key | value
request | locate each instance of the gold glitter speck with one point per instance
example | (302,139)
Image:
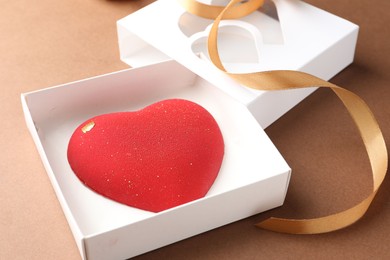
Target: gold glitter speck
(88,127)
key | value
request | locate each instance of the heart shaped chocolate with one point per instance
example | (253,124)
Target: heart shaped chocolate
(162,156)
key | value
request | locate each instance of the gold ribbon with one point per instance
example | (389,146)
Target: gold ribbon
(284,80)
(212,11)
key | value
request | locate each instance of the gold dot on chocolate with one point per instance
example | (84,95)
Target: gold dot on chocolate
(88,127)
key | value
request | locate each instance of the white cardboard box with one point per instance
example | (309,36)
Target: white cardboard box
(253,178)
(300,37)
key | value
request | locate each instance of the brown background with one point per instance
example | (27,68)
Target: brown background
(44,43)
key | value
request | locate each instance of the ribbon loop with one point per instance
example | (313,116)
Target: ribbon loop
(284,80)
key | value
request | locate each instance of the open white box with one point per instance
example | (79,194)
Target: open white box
(302,38)
(254,177)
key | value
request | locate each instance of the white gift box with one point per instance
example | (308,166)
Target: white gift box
(285,35)
(299,37)
(253,178)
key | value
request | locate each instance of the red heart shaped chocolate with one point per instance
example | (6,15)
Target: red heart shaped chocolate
(164,155)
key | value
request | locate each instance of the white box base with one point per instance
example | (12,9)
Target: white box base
(254,177)
(305,38)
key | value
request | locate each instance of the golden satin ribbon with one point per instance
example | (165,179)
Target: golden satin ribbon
(283,80)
